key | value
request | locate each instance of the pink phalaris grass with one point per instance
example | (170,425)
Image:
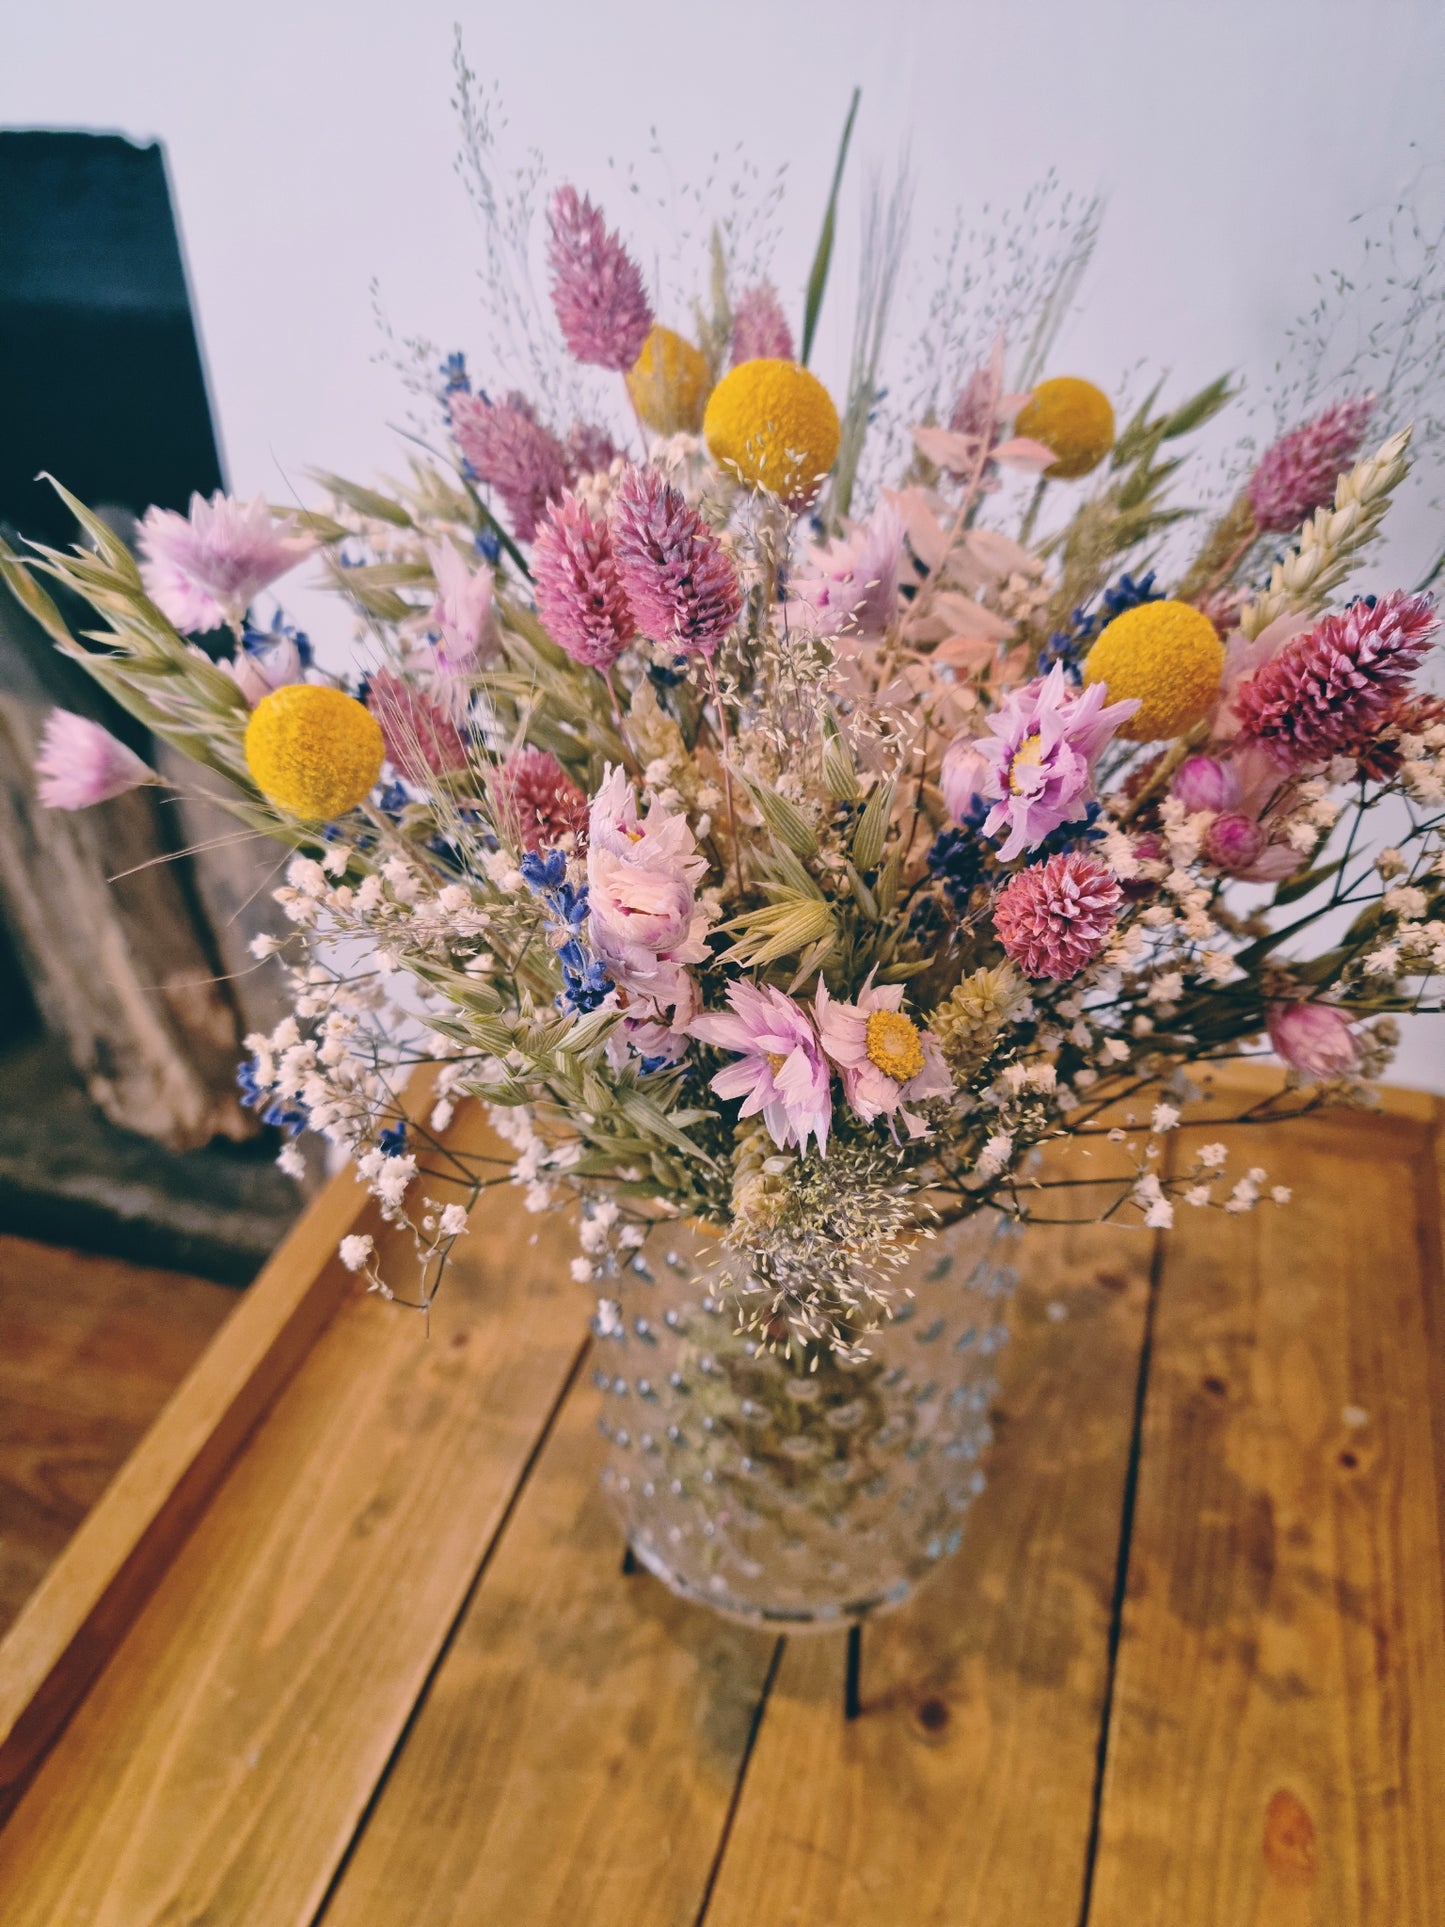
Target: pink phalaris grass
(81,763)
(536,798)
(1055,918)
(578,586)
(597,292)
(205,569)
(1298,474)
(683,589)
(1337,683)
(590,449)
(421,740)
(760,328)
(1314,1038)
(511,451)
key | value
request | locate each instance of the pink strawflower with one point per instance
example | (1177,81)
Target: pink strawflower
(642,879)
(1314,1038)
(760,328)
(597,289)
(81,763)
(850,587)
(206,568)
(682,588)
(590,449)
(961,778)
(578,587)
(1206,783)
(1236,842)
(1298,474)
(538,801)
(1330,689)
(464,613)
(782,1072)
(1055,918)
(511,451)
(1040,752)
(421,740)
(887,1062)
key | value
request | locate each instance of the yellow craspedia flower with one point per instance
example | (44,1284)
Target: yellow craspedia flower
(313,750)
(774,426)
(1073,418)
(1169,656)
(669,383)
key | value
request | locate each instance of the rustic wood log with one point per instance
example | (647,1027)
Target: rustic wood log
(123,971)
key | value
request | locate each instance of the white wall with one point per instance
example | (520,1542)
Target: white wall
(311,150)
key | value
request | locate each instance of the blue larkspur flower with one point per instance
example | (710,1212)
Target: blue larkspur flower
(1069,646)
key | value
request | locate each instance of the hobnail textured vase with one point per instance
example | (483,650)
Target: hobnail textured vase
(795,1497)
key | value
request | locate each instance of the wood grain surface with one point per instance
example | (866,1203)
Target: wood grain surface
(90,1350)
(1188,1668)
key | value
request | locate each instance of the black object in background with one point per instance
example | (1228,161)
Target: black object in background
(101,380)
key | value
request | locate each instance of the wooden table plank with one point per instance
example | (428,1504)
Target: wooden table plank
(576,1755)
(219,1766)
(1275,1753)
(963,1792)
(90,1350)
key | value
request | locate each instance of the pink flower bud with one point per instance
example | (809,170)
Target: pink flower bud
(1205,783)
(1234,841)
(961,779)
(1314,1038)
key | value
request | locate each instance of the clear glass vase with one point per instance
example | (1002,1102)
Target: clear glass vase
(801,1498)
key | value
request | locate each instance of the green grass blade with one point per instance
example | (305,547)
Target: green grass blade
(822,260)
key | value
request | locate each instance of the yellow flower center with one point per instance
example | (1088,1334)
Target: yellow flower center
(1073,418)
(1029,752)
(773,426)
(893,1045)
(1168,654)
(313,750)
(776,1061)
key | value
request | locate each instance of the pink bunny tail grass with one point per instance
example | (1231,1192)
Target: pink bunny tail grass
(578,586)
(682,588)
(597,292)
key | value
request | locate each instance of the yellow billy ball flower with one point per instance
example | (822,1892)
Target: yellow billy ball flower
(313,750)
(1169,656)
(773,425)
(1073,418)
(669,383)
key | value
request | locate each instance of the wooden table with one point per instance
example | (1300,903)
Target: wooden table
(348,1639)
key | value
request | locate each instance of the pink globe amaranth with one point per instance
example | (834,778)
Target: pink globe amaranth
(1314,1038)
(961,779)
(1055,918)
(1234,841)
(1206,783)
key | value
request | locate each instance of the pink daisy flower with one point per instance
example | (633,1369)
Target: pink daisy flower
(464,612)
(887,1062)
(1055,918)
(1040,754)
(781,1072)
(597,292)
(206,568)
(578,586)
(81,763)
(682,588)
(850,587)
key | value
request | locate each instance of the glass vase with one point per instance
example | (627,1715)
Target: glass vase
(801,1497)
